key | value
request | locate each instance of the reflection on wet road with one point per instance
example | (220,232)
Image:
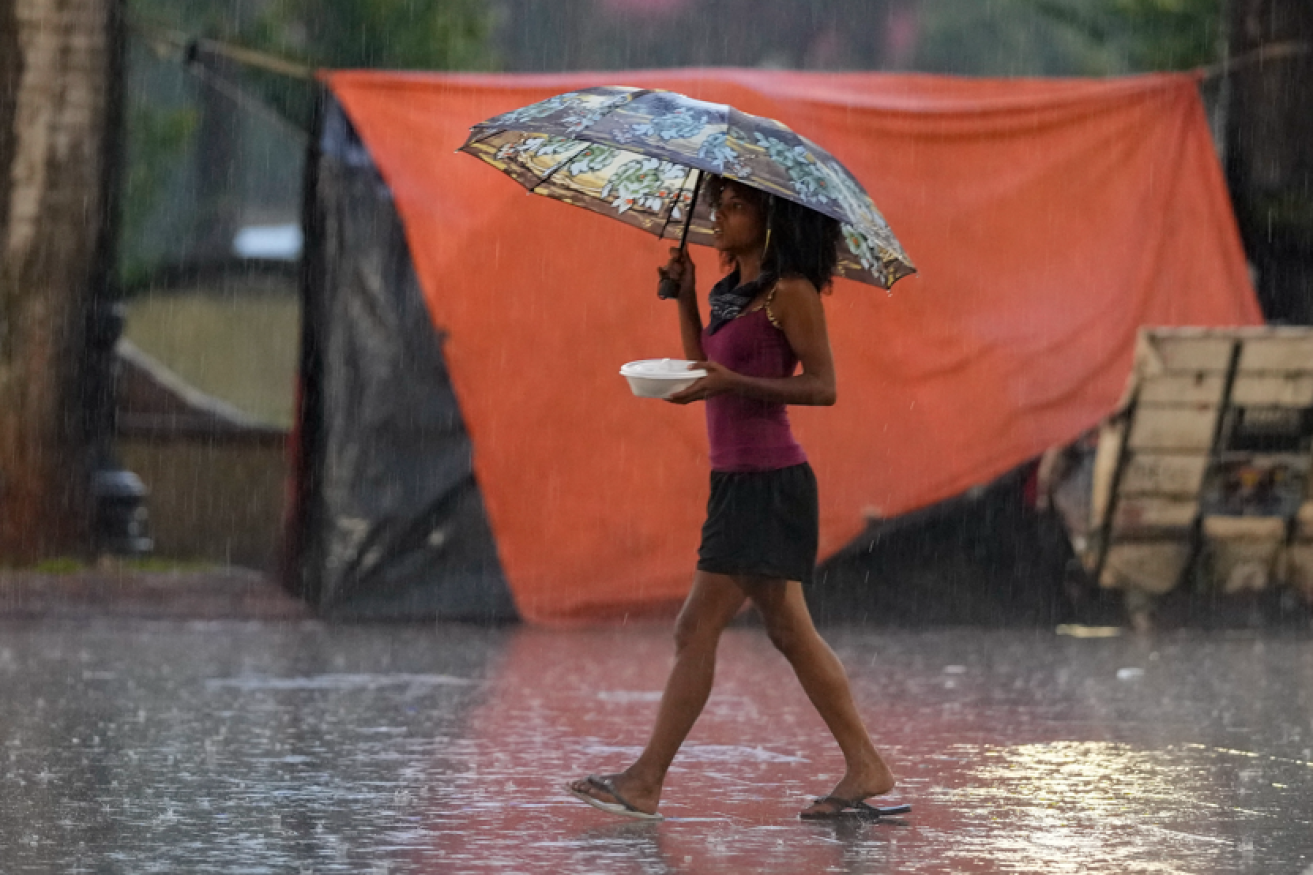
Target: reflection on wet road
(290,748)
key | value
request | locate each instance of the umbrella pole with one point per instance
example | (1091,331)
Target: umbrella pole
(668,287)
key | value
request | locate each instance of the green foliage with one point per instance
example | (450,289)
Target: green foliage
(1150,34)
(375,34)
(448,35)
(60,565)
(213,19)
(165,105)
(156,136)
(393,34)
(1004,38)
(1067,37)
(451,35)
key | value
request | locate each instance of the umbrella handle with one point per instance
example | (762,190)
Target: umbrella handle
(668,288)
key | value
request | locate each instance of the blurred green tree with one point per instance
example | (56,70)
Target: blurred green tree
(451,35)
(1067,37)
(392,34)
(1146,34)
(201,123)
(1005,38)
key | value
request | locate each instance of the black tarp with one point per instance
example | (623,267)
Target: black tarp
(387,521)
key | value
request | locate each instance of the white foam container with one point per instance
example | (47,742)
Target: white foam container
(660,378)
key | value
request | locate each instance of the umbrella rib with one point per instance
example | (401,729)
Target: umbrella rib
(688,221)
(528,185)
(488,134)
(583,144)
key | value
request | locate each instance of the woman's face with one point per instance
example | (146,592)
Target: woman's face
(738,223)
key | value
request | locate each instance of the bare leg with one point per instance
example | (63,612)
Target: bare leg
(789,624)
(714,601)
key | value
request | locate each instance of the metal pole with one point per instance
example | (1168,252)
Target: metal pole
(668,287)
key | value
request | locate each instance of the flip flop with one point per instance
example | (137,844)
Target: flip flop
(852,809)
(620,807)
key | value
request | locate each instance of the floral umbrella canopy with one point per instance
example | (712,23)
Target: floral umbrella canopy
(638,155)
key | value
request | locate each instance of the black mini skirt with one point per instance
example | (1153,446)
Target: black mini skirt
(762,523)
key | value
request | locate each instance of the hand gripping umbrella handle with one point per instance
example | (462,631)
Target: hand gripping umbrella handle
(669,288)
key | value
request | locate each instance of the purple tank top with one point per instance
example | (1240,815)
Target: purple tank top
(746,434)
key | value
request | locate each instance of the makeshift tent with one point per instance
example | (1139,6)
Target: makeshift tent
(467,444)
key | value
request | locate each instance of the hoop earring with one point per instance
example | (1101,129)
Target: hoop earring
(766,248)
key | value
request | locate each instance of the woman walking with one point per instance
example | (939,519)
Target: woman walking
(760,538)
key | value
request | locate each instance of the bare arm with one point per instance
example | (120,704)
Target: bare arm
(680,268)
(690,328)
(797,308)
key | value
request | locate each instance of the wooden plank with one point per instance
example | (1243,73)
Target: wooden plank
(1105,468)
(1299,569)
(1148,473)
(1244,564)
(1186,353)
(1304,522)
(1273,390)
(1278,353)
(1173,428)
(1245,528)
(1152,567)
(1137,514)
(1201,387)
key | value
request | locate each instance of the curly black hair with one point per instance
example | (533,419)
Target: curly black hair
(800,243)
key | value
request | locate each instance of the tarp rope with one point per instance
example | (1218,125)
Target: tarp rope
(1274,52)
(191,46)
(187,50)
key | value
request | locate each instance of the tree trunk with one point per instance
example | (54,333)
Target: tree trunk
(1270,148)
(57,70)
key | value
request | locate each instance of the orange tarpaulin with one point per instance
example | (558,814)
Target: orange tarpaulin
(1049,220)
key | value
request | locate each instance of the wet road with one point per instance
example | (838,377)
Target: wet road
(142,747)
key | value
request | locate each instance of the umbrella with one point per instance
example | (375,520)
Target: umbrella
(639,155)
